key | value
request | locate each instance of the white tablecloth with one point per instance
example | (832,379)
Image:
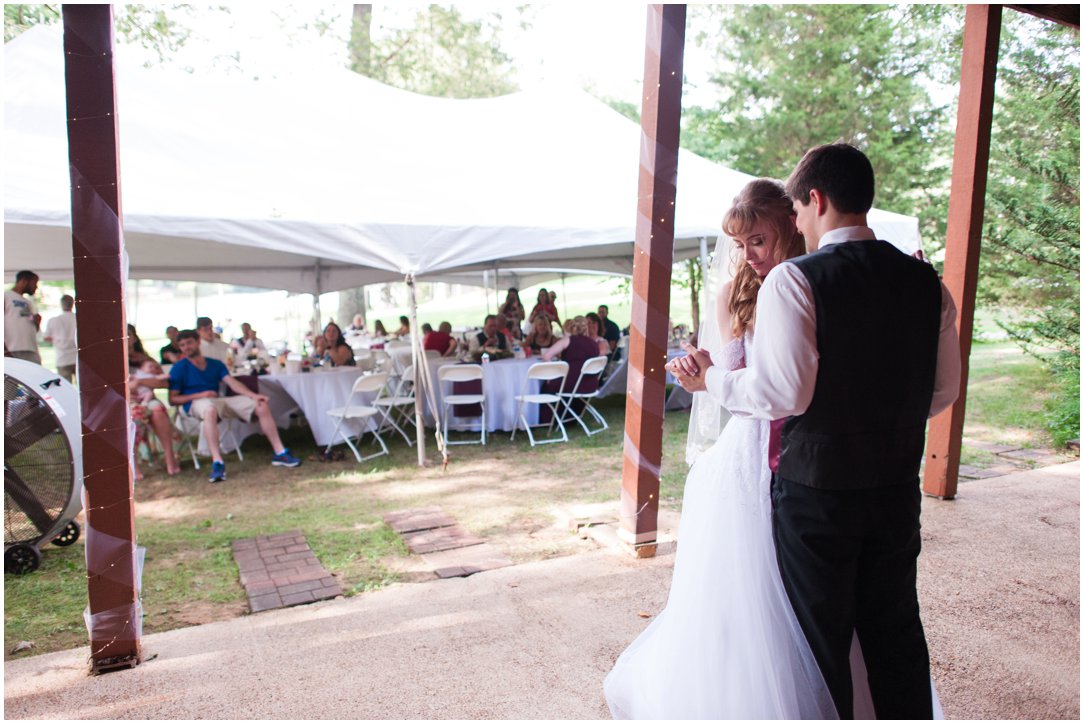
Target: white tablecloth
(502,381)
(315,393)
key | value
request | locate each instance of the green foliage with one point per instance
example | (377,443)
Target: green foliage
(155,27)
(794,76)
(1031,254)
(441,53)
(18,18)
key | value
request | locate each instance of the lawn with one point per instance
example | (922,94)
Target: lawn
(514,496)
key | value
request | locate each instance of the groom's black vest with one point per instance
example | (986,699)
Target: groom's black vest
(878,319)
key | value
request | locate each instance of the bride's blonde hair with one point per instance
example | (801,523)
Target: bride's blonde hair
(761,199)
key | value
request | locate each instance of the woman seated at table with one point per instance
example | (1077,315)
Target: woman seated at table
(378,329)
(441,340)
(541,335)
(575,348)
(594,329)
(149,410)
(404,327)
(338,351)
(544,306)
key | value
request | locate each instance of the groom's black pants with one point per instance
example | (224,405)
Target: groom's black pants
(848,559)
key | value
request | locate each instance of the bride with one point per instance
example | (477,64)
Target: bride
(727,645)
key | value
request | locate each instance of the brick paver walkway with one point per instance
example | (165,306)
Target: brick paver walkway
(1011,459)
(281,570)
(447,548)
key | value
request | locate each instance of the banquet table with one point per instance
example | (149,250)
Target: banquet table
(314,393)
(502,381)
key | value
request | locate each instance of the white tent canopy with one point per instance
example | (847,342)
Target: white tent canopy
(322,183)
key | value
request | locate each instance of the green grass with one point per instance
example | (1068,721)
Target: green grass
(1007,394)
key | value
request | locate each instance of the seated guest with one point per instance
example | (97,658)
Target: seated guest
(575,348)
(239,342)
(404,327)
(594,325)
(544,306)
(251,345)
(378,329)
(541,335)
(210,345)
(357,328)
(441,341)
(319,348)
(149,409)
(506,330)
(194,383)
(512,309)
(340,353)
(427,328)
(136,355)
(171,352)
(610,330)
(490,338)
(512,330)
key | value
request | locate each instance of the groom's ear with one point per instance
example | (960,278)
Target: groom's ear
(818,201)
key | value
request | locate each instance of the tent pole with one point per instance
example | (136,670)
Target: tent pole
(564,298)
(316,316)
(419,359)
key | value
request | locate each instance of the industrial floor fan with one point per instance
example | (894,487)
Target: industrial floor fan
(43,463)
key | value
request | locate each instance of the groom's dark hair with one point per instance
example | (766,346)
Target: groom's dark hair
(840,172)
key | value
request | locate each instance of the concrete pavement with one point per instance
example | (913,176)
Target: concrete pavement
(999,582)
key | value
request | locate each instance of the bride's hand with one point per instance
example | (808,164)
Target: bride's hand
(695,360)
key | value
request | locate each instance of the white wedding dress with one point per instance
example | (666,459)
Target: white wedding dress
(728,645)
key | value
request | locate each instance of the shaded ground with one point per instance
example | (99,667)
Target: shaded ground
(999,584)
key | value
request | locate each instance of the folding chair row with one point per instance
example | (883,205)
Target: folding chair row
(562,403)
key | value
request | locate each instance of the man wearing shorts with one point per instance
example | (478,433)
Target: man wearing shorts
(194,383)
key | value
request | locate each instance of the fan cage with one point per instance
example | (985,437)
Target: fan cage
(38,462)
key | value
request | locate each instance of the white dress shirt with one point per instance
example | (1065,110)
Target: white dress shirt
(783,370)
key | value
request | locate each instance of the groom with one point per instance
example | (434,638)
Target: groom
(856,344)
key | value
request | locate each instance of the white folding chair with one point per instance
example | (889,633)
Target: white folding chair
(398,406)
(190,427)
(462,373)
(363,384)
(543,372)
(591,368)
(363,358)
(381,360)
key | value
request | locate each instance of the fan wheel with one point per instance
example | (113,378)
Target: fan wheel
(21,558)
(69,535)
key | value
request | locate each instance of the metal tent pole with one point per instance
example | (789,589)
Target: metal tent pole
(418,355)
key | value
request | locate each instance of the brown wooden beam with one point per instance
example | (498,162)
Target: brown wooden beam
(1068,14)
(967,201)
(653,259)
(97,246)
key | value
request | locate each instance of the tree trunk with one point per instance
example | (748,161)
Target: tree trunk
(351,302)
(361,42)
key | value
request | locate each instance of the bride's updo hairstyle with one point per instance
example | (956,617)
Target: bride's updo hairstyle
(762,199)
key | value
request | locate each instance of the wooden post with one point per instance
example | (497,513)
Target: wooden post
(112,578)
(967,198)
(652,264)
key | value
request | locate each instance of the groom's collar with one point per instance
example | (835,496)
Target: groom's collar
(846,233)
